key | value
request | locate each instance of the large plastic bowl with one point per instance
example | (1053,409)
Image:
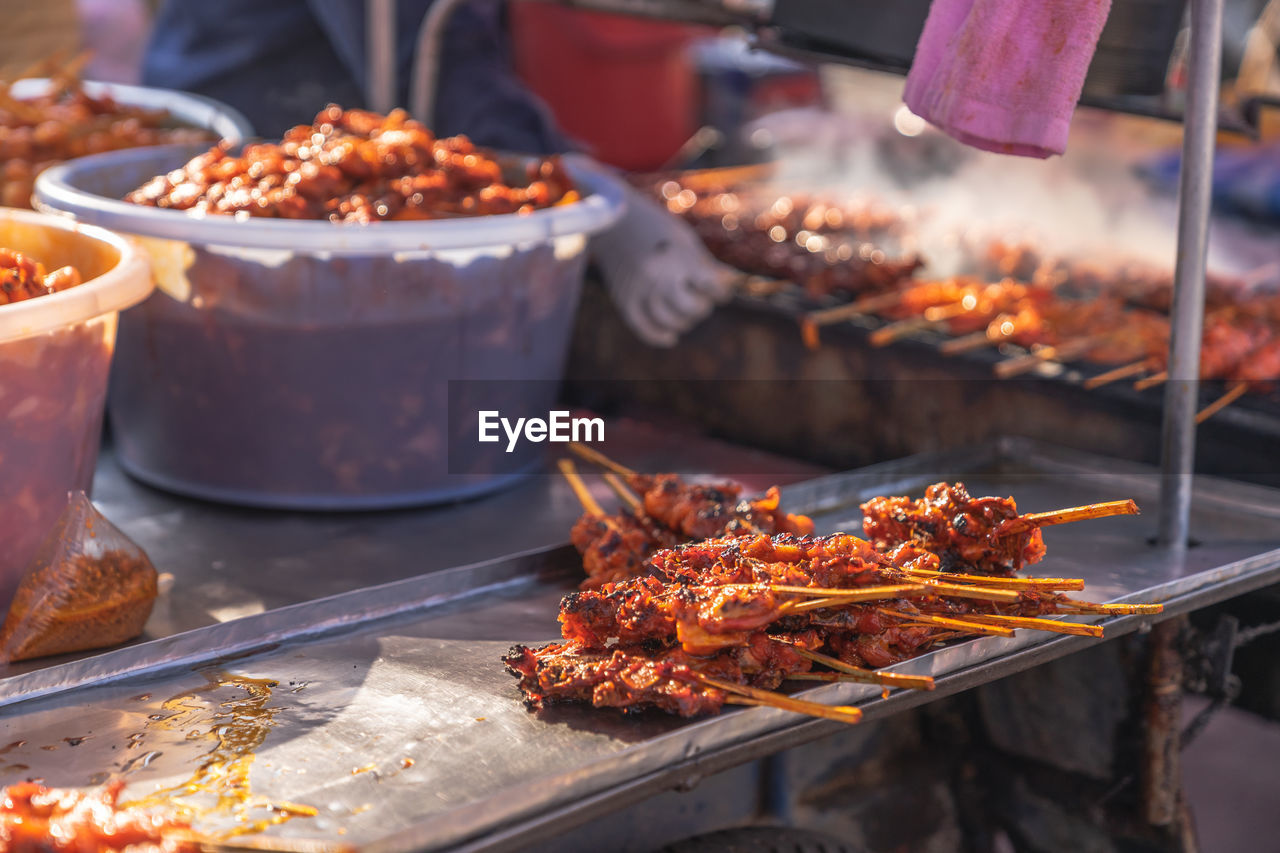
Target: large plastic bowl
(54,356)
(184,107)
(307,364)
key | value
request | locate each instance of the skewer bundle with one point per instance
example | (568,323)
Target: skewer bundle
(66,123)
(1241,343)
(1109,313)
(730,619)
(823,245)
(666,512)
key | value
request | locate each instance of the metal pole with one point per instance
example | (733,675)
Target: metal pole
(380,54)
(1199,131)
(426,63)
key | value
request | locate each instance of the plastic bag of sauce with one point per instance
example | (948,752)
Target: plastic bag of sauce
(89,587)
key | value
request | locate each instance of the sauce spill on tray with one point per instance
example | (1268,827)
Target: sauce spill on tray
(234,727)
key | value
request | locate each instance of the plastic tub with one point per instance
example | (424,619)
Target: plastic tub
(191,111)
(54,355)
(625,86)
(307,365)
(184,107)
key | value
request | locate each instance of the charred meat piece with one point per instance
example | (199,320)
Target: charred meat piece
(965,532)
(36,819)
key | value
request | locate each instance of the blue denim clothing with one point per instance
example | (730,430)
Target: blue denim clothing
(280,61)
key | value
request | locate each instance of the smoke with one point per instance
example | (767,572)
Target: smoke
(1089,204)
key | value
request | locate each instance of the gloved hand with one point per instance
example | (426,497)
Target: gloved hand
(660,275)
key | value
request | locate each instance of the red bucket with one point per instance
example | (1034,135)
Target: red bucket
(625,87)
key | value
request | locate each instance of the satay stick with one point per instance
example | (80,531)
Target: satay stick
(1117,373)
(1062,352)
(1151,381)
(620,489)
(886,335)
(934,587)
(924,586)
(932,318)
(597,458)
(968,343)
(1066,516)
(809,709)
(868,676)
(1235,392)
(997,582)
(830,677)
(838,678)
(812,604)
(769,699)
(948,635)
(858,308)
(845,596)
(1035,624)
(949,622)
(589,504)
(1070,605)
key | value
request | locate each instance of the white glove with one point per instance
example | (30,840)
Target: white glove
(660,275)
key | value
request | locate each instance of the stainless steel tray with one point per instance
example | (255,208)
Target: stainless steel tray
(410,670)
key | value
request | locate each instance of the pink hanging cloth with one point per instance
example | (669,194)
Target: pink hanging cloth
(1005,75)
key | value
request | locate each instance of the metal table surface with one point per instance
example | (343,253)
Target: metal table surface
(229,562)
(391,716)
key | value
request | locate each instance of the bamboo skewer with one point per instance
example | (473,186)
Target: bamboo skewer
(907,590)
(815,320)
(597,458)
(935,317)
(767,698)
(867,593)
(1036,624)
(1118,373)
(968,343)
(809,709)
(1235,392)
(580,489)
(1011,583)
(1151,381)
(813,604)
(947,636)
(934,587)
(886,335)
(620,489)
(868,676)
(1021,364)
(1062,352)
(1070,605)
(1066,516)
(761,285)
(949,622)
(831,677)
